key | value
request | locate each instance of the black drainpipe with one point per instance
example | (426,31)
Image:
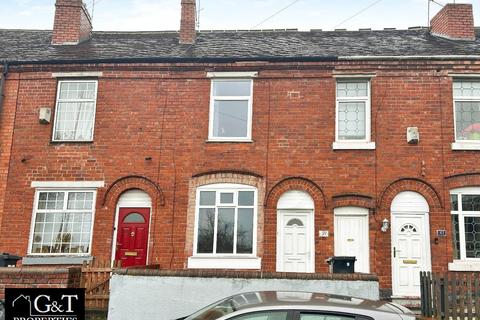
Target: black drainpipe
(2,83)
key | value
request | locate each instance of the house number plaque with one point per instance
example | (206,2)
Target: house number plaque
(323,233)
(441,233)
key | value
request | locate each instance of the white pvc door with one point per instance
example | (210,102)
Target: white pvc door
(351,236)
(294,245)
(410,253)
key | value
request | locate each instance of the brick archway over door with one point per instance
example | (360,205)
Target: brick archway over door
(123,184)
(382,245)
(103,235)
(322,221)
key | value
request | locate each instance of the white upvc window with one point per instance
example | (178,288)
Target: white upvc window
(353,119)
(466,104)
(62,222)
(75,110)
(226,221)
(465,206)
(231,109)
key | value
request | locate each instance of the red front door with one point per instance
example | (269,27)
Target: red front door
(132,236)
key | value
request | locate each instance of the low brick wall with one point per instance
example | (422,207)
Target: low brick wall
(31,277)
(162,294)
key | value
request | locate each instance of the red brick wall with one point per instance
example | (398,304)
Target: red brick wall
(38,278)
(7,118)
(72,23)
(454,21)
(163,114)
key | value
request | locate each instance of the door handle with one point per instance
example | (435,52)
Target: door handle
(394,252)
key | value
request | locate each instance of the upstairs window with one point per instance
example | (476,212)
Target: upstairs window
(75,110)
(466,100)
(353,111)
(231,110)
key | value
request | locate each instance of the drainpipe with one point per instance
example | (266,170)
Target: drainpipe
(2,83)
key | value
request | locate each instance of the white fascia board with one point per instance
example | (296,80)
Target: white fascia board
(441,57)
(67,184)
(76,74)
(252,74)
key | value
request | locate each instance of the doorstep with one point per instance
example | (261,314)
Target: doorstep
(412,303)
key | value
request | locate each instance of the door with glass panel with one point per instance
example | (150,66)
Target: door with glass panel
(295,242)
(132,236)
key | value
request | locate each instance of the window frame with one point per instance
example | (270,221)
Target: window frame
(225,187)
(213,98)
(463,99)
(58,100)
(365,144)
(366,99)
(35,209)
(461,220)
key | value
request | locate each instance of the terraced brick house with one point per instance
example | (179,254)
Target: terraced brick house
(243,150)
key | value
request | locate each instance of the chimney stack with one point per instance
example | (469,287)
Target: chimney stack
(73,23)
(455,22)
(188,31)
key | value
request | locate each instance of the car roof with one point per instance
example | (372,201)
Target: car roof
(312,300)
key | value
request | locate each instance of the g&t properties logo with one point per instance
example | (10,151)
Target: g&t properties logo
(44,304)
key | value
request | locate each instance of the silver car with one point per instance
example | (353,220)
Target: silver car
(280,305)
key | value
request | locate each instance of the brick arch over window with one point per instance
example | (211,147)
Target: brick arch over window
(123,184)
(410,184)
(295,183)
(353,200)
(226,176)
(470,179)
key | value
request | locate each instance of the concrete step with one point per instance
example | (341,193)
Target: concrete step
(412,303)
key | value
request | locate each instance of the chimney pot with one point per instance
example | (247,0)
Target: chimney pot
(73,23)
(188,21)
(454,21)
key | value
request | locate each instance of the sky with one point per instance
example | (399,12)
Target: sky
(154,15)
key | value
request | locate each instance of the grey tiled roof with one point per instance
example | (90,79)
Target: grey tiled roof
(32,45)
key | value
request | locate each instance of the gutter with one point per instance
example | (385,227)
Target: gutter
(179,60)
(435,57)
(329,58)
(2,83)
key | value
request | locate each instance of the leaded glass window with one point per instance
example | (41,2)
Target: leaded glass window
(466,95)
(63,222)
(225,220)
(466,223)
(353,110)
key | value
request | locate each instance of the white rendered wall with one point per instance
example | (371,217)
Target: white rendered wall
(159,297)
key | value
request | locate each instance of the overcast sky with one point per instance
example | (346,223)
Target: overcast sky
(234,14)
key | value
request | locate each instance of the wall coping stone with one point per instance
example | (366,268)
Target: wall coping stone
(246,274)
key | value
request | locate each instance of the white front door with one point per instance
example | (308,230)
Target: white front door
(351,236)
(295,242)
(410,252)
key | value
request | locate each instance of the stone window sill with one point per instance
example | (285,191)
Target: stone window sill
(55,260)
(353,146)
(464,265)
(252,263)
(465,146)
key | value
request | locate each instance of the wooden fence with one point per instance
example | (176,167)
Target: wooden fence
(96,279)
(450,295)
